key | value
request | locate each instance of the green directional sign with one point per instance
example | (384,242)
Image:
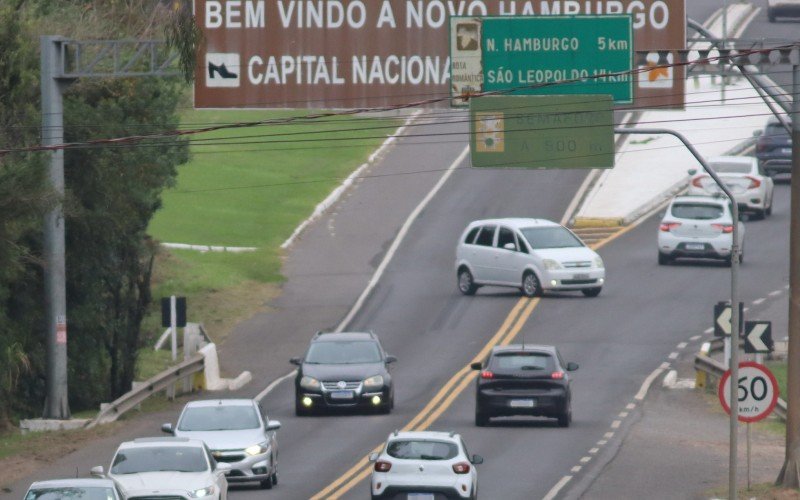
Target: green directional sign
(560,131)
(544,55)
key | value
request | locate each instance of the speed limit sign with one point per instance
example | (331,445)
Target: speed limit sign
(757,391)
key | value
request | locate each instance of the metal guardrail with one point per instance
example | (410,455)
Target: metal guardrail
(157,383)
(711,367)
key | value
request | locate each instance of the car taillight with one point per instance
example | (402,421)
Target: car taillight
(557,375)
(487,374)
(669,226)
(725,228)
(698,181)
(382,466)
(461,468)
(754,183)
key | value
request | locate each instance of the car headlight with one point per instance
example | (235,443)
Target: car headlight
(375,382)
(551,264)
(309,383)
(598,262)
(203,492)
(257,449)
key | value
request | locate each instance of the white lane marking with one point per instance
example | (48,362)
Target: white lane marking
(555,489)
(673,355)
(608,435)
(585,460)
(683,345)
(696,337)
(630,406)
(615,424)
(759,301)
(664,365)
(708,330)
(261,395)
(623,414)
(576,469)
(774,293)
(399,239)
(646,384)
(602,442)
(594,450)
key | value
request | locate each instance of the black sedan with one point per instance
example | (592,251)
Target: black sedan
(774,149)
(344,371)
(524,380)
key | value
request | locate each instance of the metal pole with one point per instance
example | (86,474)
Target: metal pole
(735,319)
(173,325)
(56,404)
(791,467)
(748,456)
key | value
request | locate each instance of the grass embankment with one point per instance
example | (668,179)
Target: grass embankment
(248,187)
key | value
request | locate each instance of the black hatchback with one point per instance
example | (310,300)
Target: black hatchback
(345,371)
(524,380)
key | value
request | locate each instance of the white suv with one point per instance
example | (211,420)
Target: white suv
(424,465)
(533,255)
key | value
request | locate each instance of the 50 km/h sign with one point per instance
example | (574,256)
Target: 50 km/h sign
(537,55)
(757,391)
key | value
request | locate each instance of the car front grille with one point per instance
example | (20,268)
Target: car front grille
(158,497)
(229,458)
(578,282)
(349,385)
(577,264)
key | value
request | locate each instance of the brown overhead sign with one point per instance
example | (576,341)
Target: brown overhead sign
(355,53)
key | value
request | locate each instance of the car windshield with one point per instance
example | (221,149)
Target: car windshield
(343,352)
(219,418)
(72,492)
(522,361)
(698,211)
(550,237)
(413,449)
(159,458)
(731,168)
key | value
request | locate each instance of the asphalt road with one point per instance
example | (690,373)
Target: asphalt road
(618,338)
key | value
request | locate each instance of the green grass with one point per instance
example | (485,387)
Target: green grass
(778,368)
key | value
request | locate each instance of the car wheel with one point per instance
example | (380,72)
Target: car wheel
(565,418)
(592,292)
(481,419)
(530,285)
(266,484)
(274,477)
(664,260)
(466,283)
(768,210)
(386,409)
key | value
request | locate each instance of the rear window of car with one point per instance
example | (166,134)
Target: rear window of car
(522,361)
(219,418)
(731,168)
(775,129)
(71,492)
(417,449)
(697,211)
(550,237)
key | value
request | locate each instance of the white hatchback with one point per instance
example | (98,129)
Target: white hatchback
(424,465)
(752,190)
(533,255)
(697,227)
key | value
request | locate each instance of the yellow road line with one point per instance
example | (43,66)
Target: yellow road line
(463,377)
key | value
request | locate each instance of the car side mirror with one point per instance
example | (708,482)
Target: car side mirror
(476,366)
(296,361)
(510,246)
(692,171)
(373,456)
(476,460)
(97,471)
(223,467)
(391,359)
(273,425)
(571,367)
(167,429)
(757,133)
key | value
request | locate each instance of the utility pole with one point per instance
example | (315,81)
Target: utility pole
(789,476)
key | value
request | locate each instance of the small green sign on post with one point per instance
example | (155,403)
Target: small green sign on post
(559,131)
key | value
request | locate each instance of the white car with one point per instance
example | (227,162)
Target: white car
(168,467)
(424,465)
(534,255)
(752,190)
(776,8)
(236,432)
(697,227)
(78,489)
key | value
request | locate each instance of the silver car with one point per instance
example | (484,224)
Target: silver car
(78,488)
(237,433)
(167,468)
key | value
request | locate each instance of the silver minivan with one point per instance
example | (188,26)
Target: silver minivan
(534,255)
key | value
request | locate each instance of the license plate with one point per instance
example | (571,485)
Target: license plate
(786,151)
(522,403)
(342,395)
(420,496)
(695,246)
(580,277)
